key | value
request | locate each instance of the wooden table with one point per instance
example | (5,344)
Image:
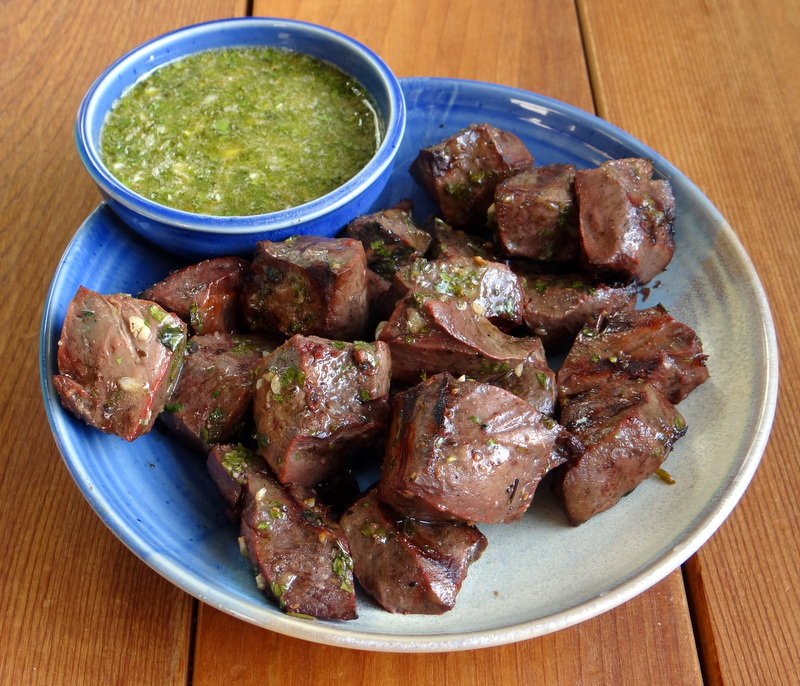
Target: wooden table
(713,86)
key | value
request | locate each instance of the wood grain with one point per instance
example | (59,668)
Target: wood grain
(714,88)
(531,45)
(643,651)
(76,606)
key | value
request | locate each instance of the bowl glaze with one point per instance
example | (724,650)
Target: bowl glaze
(201,235)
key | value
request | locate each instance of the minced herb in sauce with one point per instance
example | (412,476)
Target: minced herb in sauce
(240,131)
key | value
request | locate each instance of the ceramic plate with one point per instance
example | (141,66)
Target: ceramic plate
(537,575)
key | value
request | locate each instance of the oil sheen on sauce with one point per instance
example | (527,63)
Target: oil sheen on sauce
(240,131)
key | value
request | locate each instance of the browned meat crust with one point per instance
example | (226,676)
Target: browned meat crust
(118,360)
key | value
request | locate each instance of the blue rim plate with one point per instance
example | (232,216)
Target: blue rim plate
(538,575)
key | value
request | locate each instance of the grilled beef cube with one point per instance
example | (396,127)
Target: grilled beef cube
(558,306)
(227,464)
(427,335)
(626,219)
(627,428)
(409,566)
(379,303)
(308,285)
(214,395)
(487,288)
(118,360)
(390,238)
(465,450)
(532,380)
(461,172)
(535,214)
(317,402)
(329,498)
(301,559)
(635,344)
(205,295)
(448,242)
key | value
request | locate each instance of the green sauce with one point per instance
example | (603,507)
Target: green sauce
(240,131)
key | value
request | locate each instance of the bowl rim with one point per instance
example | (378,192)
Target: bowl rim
(89,113)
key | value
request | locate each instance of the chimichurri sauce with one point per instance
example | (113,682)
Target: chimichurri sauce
(240,131)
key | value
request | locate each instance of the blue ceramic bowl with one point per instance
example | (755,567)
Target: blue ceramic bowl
(199,235)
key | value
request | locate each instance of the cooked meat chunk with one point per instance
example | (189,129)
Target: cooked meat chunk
(213,396)
(628,429)
(317,402)
(379,305)
(461,172)
(206,295)
(488,288)
(227,464)
(558,306)
(532,380)
(536,216)
(409,566)
(626,219)
(118,360)
(465,450)
(300,558)
(308,285)
(448,242)
(635,344)
(427,335)
(390,238)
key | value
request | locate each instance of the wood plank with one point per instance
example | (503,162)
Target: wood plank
(531,45)
(642,651)
(535,46)
(77,607)
(714,87)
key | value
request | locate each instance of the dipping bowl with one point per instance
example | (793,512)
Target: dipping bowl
(197,236)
